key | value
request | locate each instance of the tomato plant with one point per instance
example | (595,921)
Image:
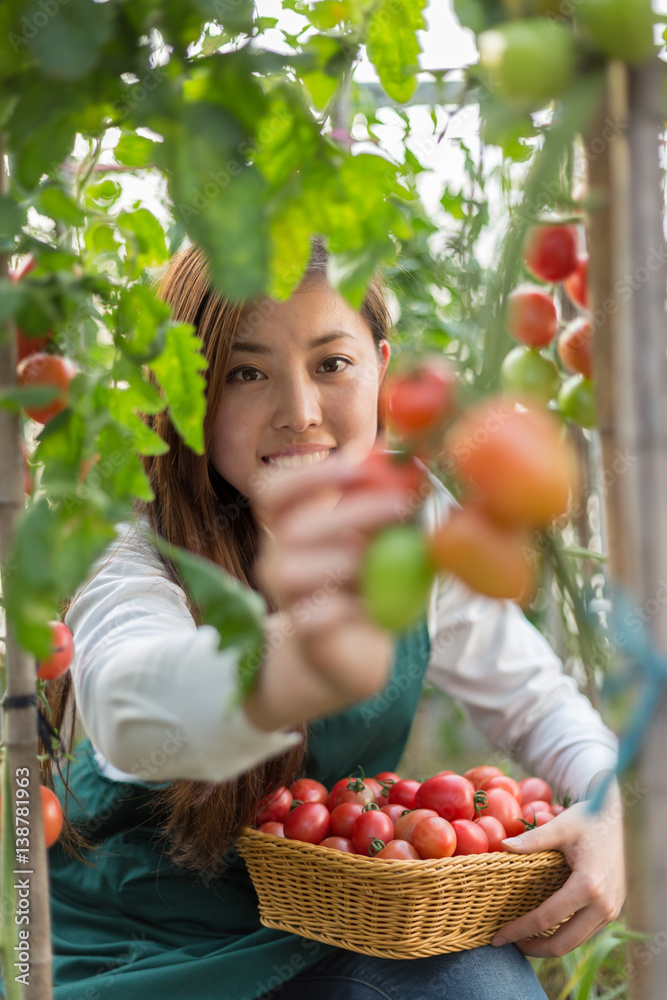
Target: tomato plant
(531,316)
(575,348)
(51,371)
(62,646)
(515,462)
(309,822)
(576,284)
(525,374)
(396,577)
(551,252)
(491,558)
(434,837)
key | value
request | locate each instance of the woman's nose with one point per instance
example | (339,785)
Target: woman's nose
(298,405)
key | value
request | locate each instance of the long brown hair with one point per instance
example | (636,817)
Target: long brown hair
(197,509)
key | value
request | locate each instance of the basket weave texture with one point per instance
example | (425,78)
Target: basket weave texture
(394,909)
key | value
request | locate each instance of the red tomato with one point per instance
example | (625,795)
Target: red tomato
(370,828)
(575,347)
(62,645)
(309,822)
(387,777)
(494,830)
(470,838)
(551,251)
(47,370)
(531,316)
(438,773)
(476,775)
(338,844)
(422,399)
(532,808)
(451,795)
(515,462)
(505,808)
(350,790)
(274,807)
(557,808)
(309,790)
(275,829)
(541,818)
(398,850)
(52,815)
(535,788)
(343,818)
(383,471)
(434,837)
(403,793)
(504,781)
(404,827)
(576,285)
(377,790)
(394,811)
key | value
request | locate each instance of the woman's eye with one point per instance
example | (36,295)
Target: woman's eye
(335,361)
(245,375)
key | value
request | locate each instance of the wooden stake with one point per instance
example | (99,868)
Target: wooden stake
(20,725)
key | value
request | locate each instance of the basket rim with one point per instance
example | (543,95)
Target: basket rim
(285,846)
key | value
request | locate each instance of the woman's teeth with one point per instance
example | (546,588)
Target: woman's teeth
(294,461)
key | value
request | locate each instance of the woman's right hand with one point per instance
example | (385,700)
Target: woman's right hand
(323,652)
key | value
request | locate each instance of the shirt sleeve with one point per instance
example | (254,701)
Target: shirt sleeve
(486,654)
(153,690)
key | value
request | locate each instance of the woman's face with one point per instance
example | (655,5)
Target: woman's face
(302,383)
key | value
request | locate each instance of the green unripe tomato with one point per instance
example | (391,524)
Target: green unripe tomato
(527,374)
(396,577)
(529,61)
(622,29)
(576,401)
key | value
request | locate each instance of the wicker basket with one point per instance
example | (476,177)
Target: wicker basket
(394,909)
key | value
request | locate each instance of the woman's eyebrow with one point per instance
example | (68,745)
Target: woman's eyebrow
(250,348)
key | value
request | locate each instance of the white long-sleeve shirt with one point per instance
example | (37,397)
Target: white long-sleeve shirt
(153,690)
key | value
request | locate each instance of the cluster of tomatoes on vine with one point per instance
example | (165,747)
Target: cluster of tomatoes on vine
(400,819)
(551,253)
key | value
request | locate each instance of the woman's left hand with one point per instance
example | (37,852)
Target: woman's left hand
(592,844)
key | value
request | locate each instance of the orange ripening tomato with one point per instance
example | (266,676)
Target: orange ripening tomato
(516,463)
(575,347)
(531,316)
(490,558)
(62,653)
(576,284)
(551,252)
(46,370)
(421,399)
(52,815)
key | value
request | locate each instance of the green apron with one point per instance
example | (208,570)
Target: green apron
(130,925)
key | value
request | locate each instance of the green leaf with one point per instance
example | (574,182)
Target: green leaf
(12,217)
(128,478)
(16,396)
(99,238)
(178,372)
(122,406)
(145,240)
(57,204)
(69,45)
(234,610)
(453,204)
(135,150)
(393,46)
(11,298)
(140,322)
(105,192)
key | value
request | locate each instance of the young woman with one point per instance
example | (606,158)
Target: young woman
(156,902)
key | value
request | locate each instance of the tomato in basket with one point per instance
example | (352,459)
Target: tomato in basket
(398,850)
(343,818)
(503,781)
(505,807)
(404,828)
(451,795)
(470,838)
(494,830)
(338,844)
(369,829)
(476,775)
(350,789)
(274,807)
(309,822)
(535,788)
(434,837)
(275,829)
(309,790)
(403,793)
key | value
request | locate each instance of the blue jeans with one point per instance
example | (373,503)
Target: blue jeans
(484,973)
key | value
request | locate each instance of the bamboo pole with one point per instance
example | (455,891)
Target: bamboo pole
(19,729)
(628,300)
